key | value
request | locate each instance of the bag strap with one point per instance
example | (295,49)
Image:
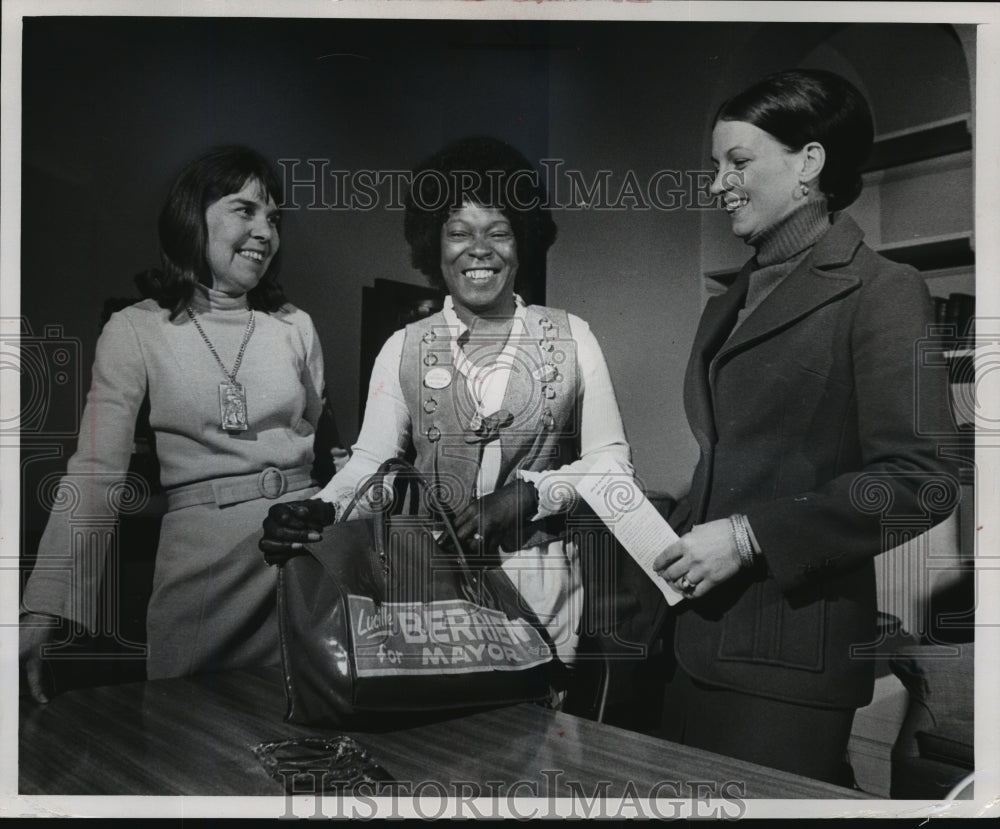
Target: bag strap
(377,480)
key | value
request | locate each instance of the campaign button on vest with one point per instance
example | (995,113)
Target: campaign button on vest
(437,378)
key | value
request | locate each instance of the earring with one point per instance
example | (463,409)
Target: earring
(803,189)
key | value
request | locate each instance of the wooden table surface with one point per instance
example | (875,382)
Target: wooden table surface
(194,736)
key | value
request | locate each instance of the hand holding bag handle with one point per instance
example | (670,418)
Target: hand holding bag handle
(380,558)
(315,513)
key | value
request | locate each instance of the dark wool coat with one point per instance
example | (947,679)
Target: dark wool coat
(815,421)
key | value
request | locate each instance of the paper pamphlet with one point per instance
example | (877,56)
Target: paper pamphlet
(612,493)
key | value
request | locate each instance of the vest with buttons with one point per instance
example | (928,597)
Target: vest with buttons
(541,396)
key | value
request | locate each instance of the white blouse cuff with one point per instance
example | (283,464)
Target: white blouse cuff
(555,494)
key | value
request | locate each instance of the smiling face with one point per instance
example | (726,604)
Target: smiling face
(242,239)
(479,262)
(756,174)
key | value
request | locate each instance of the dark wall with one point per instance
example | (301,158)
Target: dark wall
(113,108)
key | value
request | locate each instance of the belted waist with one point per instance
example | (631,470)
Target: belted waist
(269,483)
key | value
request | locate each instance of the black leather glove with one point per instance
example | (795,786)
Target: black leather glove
(495,520)
(291,525)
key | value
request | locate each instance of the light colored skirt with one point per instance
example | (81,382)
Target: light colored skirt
(214,603)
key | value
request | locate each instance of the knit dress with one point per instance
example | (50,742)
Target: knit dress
(213,599)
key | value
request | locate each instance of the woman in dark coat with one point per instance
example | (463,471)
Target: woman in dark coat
(802,393)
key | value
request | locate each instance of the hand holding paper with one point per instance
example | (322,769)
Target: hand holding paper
(614,495)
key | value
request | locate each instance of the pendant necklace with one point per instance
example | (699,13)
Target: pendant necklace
(232,395)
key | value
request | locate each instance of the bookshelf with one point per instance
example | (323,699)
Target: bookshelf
(945,136)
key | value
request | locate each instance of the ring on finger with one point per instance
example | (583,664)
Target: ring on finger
(686,585)
(477,537)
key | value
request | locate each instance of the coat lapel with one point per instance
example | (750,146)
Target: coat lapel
(717,321)
(811,285)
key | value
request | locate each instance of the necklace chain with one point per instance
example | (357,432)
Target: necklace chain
(239,357)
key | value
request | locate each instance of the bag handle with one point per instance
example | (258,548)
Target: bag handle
(377,479)
(499,585)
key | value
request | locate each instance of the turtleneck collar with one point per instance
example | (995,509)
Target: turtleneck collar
(797,232)
(207,299)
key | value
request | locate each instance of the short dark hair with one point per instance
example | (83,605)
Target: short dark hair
(184,234)
(488,172)
(798,106)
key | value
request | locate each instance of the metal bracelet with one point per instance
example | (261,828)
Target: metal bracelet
(741,535)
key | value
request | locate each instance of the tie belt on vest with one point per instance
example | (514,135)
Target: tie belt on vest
(270,483)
